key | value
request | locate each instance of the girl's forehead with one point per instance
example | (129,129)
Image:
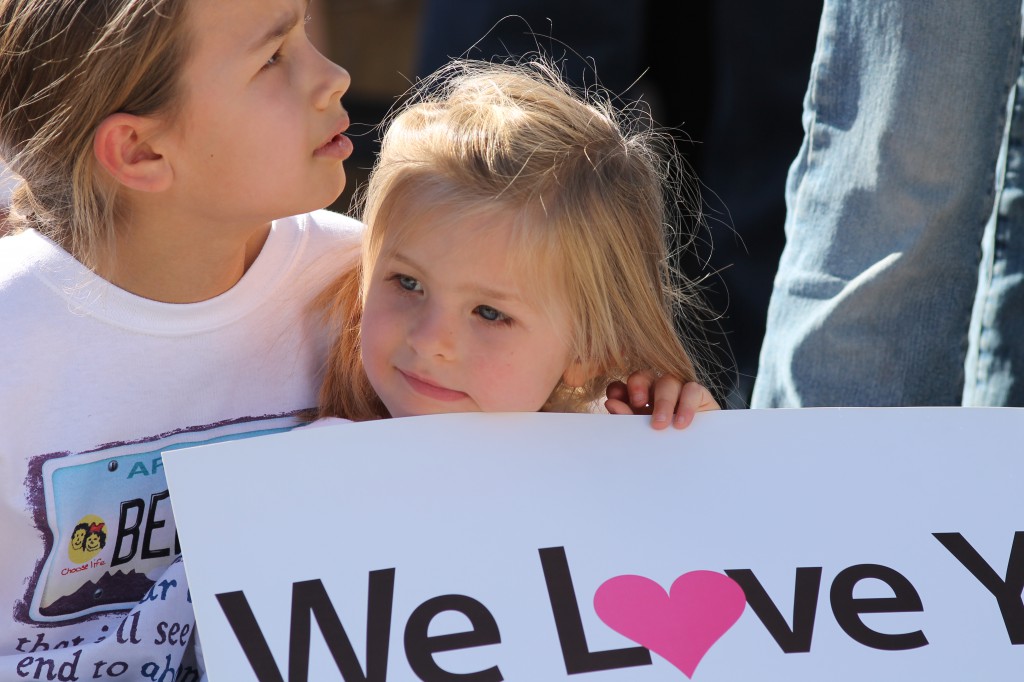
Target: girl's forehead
(447,227)
(242,26)
(453,225)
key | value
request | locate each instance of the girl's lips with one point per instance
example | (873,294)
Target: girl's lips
(430,390)
(338,147)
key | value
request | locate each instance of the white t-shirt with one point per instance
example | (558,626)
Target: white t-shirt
(95,383)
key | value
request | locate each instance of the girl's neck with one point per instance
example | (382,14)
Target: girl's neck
(183,262)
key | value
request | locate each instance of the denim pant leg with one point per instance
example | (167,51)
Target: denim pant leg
(887,202)
(994,369)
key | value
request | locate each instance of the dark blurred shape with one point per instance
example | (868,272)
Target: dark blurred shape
(760,59)
(576,34)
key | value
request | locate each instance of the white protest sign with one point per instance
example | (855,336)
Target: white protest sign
(829,544)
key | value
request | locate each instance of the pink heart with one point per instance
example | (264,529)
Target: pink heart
(680,626)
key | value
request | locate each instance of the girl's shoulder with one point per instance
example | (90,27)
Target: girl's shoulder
(37,281)
(321,230)
(28,252)
(324,242)
(327,225)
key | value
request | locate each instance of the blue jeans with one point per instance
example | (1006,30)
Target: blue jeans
(900,282)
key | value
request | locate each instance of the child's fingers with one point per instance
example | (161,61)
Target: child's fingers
(617,407)
(667,399)
(640,385)
(703,399)
(617,391)
(693,398)
(667,391)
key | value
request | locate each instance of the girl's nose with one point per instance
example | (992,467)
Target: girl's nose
(433,334)
(335,83)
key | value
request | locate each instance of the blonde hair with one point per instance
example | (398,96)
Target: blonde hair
(588,186)
(65,65)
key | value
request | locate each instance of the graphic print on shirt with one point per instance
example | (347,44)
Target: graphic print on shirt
(88,538)
(107,524)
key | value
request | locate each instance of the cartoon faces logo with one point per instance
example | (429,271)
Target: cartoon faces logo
(87,539)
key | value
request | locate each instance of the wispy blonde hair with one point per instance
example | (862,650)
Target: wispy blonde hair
(595,191)
(65,65)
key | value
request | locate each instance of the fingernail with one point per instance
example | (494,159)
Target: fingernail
(660,419)
(638,398)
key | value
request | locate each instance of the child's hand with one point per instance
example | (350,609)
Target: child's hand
(673,400)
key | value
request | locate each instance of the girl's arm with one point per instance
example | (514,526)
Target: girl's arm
(673,401)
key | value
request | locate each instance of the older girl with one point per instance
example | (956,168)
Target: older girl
(154,294)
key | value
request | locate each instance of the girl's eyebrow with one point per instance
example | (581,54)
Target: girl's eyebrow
(285,23)
(399,256)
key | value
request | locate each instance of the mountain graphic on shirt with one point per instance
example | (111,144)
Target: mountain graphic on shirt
(116,588)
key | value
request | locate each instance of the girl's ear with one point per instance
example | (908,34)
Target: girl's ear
(578,373)
(123,146)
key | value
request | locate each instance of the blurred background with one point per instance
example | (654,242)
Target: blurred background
(726,76)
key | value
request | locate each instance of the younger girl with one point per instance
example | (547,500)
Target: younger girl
(515,257)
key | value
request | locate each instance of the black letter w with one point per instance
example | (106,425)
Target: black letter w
(310,597)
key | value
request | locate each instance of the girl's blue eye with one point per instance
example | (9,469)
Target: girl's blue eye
(274,59)
(408,283)
(492,314)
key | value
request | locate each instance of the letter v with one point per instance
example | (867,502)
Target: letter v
(805,607)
